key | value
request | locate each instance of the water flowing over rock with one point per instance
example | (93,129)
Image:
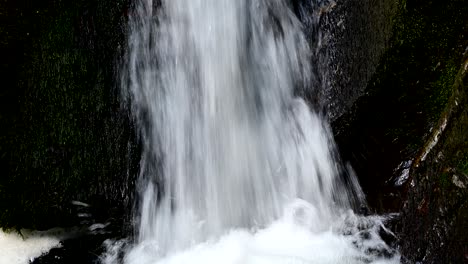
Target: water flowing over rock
(223,119)
(226,143)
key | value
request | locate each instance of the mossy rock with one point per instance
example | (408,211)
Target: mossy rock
(67,137)
(404,99)
(435,216)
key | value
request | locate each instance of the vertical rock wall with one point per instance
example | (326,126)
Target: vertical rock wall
(64,136)
(348,43)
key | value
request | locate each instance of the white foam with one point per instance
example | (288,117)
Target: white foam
(280,243)
(18,250)
(284,241)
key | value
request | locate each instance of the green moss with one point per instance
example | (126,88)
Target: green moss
(445,180)
(440,182)
(417,73)
(409,90)
(442,90)
(463,163)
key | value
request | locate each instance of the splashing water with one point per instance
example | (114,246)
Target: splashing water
(21,249)
(235,167)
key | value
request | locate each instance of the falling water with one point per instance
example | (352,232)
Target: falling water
(231,157)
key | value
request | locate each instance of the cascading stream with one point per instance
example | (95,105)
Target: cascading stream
(227,146)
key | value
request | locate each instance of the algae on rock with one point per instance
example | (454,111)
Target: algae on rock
(435,216)
(389,124)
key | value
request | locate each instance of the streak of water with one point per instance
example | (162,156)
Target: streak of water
(226,143)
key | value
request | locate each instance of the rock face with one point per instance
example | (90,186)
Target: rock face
(386,127)
(348,38)
(388,135)
(435,216)
(64,137)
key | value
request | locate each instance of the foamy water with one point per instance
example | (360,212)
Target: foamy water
(15,249)
(235,167)
(351,239)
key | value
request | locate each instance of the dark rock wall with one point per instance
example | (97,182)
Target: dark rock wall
(434,224)
(348,38)
(403,101)
(64,136)
(394,123)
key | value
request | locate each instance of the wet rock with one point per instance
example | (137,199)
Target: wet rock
(435,216)
(64,135)
(348,39)
(88,247)
(383,131)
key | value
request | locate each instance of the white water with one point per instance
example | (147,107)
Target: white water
(15,249)
(235,168)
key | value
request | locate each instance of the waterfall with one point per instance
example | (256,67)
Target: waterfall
(230,153)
